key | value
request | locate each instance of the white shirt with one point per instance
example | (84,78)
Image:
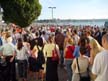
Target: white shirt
(83,65)
(76,39)
(43,38)
(22,54)
(18,35)
(100,66)
(7,49)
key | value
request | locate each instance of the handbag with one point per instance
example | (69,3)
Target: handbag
(55,56)
(83,78)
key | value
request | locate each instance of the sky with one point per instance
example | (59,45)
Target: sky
(74,9)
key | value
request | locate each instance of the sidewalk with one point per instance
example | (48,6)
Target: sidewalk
(61,74)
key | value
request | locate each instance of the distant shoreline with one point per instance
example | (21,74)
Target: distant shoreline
(76,22)
(71,19)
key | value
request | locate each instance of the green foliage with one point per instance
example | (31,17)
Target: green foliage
(20,12)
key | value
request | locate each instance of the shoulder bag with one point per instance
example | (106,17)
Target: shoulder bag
(82,78)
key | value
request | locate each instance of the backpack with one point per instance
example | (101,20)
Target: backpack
(40,58)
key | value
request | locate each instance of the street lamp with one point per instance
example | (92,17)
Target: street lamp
(52,10)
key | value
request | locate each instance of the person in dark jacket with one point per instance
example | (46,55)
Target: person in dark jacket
(59,40)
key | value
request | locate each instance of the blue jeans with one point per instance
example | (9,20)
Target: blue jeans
(68,63)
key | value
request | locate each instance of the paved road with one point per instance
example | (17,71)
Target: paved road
(61,73)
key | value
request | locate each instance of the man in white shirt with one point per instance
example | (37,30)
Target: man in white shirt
(100,66)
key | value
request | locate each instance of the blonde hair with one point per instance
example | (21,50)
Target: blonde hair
(95,47)
(8,37)
(70,40)
(8,34)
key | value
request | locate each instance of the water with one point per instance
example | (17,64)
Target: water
(92,22)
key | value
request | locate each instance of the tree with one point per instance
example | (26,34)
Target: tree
(20,12)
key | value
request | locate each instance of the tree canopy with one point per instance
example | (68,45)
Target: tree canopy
(20,12)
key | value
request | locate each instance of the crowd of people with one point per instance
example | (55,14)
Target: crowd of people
(37,52)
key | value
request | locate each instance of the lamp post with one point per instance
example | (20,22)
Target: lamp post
(52,10)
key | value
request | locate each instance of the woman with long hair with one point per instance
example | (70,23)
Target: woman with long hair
(39,63)
(83,63)
(95,48)
(51,64)
(68,56)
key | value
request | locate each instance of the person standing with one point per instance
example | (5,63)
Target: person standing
(59,40)
(8,52)
(68,56)
(100,65)
(98,35)
(75,37)
(104,31)
(51,65)
(83,62)
(22,57)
